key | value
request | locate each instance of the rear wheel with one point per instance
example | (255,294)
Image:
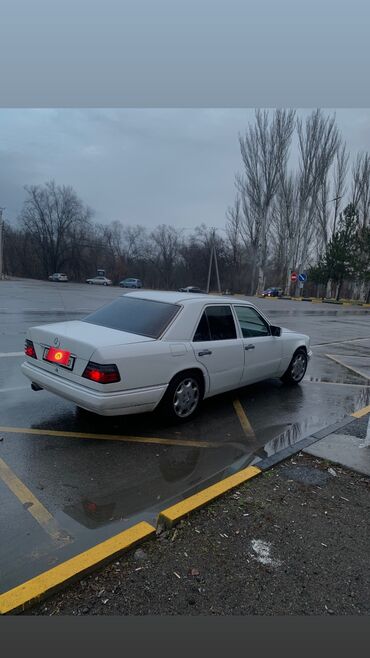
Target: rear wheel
(297,368)
(183,397)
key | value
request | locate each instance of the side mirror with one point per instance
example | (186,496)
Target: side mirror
(275,331)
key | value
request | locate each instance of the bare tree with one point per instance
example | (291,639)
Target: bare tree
(49,214)
(284,226)
(361,187)
(318,142)
(233,232)
(339,182)
(360,193)
(166,241)
(331,187)
(264,150)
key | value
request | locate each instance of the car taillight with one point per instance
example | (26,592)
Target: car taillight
(102,374)
(29,349)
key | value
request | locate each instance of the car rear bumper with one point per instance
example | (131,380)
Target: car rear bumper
(118,403)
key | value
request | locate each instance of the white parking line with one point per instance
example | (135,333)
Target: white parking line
(341,363)
(2,354)
(340,342)
(13,388)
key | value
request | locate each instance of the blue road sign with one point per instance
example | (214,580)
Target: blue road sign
(302,276)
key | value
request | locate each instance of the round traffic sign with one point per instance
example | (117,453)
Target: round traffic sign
(302,276)
(294,276)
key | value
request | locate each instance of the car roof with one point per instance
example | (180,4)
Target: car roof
(181,297)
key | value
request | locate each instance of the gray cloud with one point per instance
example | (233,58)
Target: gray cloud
(144,166)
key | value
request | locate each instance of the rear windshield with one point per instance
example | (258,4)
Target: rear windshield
(137,316)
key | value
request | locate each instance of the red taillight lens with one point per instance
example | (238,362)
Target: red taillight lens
(102,374)
(29,349)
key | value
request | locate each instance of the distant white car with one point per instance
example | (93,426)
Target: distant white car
(161,349)
(58,276)
(99,281)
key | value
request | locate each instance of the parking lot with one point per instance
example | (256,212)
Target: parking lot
(69,479)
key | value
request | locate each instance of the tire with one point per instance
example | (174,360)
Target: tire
(183,397)
(296,369)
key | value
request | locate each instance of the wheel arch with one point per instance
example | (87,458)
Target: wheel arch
(187,371)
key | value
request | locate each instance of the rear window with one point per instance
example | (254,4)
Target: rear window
(137,316)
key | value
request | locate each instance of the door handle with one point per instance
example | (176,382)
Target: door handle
(249,347)
(204,352)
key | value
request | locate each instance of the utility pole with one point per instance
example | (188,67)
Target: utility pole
(213,256)
(1,244)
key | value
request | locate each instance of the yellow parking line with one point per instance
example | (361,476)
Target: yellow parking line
(31,503)
(361,412)
(110,437)
(37,588)
(243,419)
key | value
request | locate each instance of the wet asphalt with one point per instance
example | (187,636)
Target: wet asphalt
(93,488)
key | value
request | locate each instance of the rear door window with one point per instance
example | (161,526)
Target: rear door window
(216,323)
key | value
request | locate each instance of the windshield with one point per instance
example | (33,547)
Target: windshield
(136,316)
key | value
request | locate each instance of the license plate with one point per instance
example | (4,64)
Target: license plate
(60,357)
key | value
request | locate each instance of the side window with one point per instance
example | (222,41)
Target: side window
(251,323)
(202,332)
(216,323)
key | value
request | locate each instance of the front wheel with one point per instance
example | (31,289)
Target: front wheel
(296,369)
(183,397)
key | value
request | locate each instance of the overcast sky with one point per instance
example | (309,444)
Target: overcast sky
(143,166)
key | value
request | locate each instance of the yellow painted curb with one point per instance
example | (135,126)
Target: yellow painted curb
(32,591)
(172,515)
(361,412)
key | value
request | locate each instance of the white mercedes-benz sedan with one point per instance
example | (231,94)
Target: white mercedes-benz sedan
(165,350)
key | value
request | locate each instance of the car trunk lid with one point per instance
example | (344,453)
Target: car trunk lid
(79,338)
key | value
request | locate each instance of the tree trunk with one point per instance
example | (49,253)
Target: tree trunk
(362,291)
(339,288)
(328,290)
(260,280)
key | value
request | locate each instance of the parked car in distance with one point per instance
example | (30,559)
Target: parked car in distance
(99,281)
(131,283)
(58,276)
(193,289)
(165,350)
(272,292)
